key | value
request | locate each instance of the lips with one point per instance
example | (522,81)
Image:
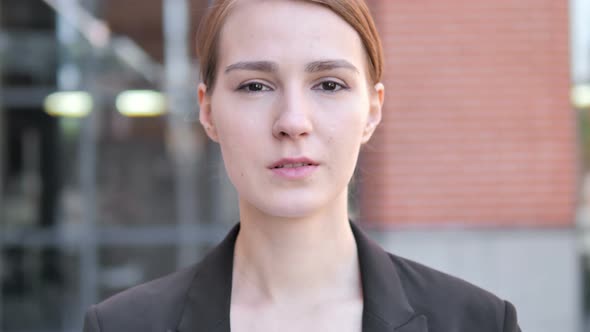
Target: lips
(293,163)
(294,169)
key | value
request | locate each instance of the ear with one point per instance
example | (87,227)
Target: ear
(205,116)
(374,117)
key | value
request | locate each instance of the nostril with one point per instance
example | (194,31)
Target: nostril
(284,130)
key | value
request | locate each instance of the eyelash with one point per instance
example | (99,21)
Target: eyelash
(244,87)
(338,87)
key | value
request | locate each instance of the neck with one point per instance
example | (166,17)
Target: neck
(296,259)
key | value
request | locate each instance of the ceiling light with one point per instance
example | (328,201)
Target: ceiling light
(141,103)
(73,104)
(580,96)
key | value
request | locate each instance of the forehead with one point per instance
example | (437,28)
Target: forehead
(285,31)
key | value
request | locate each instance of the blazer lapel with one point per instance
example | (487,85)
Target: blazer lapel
(385,305)
(209,297)
(371,323)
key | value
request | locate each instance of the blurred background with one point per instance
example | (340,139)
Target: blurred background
(480,167)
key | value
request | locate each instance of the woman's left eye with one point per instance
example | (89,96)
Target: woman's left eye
(329,86)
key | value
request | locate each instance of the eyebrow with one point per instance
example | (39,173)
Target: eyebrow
(265,66)
(317,66)
(271,67)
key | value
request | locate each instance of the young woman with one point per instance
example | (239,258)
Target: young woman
(291,92)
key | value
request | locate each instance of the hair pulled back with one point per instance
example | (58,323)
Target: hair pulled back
(354,12)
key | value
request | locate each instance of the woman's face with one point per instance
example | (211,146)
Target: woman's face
(291,106)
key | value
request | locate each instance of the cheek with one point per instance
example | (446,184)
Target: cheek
(234,113)
(349,111)
(344,135)
(349,124)
(239,131)
(234,143)
(232,121)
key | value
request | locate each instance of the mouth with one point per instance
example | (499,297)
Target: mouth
(294,169)
(293,163)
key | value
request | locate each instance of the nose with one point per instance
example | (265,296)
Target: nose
(293,118)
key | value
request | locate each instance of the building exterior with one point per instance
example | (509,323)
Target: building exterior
(476,167)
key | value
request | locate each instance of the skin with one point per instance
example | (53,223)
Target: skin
(295,262)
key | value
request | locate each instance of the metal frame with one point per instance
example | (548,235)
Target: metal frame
(87,240)
(89,236)
(72,236)
(1,197)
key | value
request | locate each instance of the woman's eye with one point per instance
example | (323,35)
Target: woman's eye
(253,87)
(330,86)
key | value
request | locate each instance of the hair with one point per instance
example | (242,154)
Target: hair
(354,12)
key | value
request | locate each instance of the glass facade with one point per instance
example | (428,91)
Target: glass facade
(91,204)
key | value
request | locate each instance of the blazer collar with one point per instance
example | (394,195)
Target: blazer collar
(209,296)
(385,305)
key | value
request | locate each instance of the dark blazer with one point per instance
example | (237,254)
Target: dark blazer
(398,295)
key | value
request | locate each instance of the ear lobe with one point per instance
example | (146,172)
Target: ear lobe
(374,116)
(205,116)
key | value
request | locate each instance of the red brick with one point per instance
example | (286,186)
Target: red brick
(477,127)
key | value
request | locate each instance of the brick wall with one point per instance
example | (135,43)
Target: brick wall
(477,127)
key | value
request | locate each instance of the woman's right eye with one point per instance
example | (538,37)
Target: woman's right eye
(253,87)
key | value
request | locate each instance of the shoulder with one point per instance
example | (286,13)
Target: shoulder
(152,306)
(450,303)
(191,298)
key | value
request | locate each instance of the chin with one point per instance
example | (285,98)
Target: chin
(290,208)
